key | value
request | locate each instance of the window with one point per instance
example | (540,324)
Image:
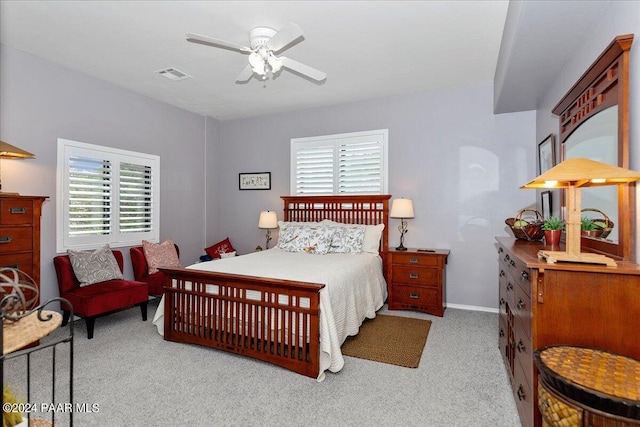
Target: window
(105,195)
(351,163)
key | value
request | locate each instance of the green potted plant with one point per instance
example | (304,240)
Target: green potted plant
(587,227)
(553,227)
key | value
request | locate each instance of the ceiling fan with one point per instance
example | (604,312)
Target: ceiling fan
(265,43)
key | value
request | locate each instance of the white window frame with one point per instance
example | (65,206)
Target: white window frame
(335,141)
(116,238)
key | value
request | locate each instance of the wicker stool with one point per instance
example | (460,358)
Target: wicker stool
(585,387)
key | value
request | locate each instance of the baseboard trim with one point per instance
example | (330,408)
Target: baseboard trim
(472,308)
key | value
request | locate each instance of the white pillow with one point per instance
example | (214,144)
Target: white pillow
(227,254)
(310,239)
(283,236)
(347,240)
(372,235)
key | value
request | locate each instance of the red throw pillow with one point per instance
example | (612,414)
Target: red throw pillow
(221,247)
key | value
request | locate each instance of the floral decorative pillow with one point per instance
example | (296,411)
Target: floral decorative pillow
(160,255)
(95,267)
(310,239)
(222,247)
(347,240)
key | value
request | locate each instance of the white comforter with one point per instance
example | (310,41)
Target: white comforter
(354,290)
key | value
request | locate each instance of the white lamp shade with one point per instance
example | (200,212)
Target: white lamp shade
(268,219)
(402,208)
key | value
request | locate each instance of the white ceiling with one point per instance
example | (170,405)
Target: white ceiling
(369,49)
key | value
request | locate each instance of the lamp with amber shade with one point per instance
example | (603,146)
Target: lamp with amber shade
(573,175)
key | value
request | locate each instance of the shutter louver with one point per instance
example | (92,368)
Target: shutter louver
(136,208)
(314,170)
(89,196)
(359,168)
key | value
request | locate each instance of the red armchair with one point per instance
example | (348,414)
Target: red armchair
(155,281)
(101,298)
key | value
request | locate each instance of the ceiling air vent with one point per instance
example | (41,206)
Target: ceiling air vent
(173,74)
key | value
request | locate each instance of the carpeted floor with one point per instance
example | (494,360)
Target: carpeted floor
(389,339)
(137,379)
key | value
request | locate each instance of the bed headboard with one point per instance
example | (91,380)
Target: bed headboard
(361,209)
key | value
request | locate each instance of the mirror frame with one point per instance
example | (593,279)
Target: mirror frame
(603,85)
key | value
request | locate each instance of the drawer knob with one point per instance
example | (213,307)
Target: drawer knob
(521,347)
(521,394)
(414,260)
(512,263)
(509,286)
(502,273)
(520,304)
(525,275)
(501,333)
(414,295)
(413,275)
(500,250)
(501,301)
(506,258)
(6,239)
(20,210)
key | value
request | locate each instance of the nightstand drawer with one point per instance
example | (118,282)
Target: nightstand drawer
(16,239)
(410,275)
(414,259)
(416,295)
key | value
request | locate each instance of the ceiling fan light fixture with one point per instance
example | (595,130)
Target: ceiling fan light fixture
(275,63)
(257,63)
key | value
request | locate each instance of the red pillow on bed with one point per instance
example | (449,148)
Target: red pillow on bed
(221,247)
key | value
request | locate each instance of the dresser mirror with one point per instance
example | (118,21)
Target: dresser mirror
(594,123)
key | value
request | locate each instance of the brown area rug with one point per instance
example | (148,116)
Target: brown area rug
(389,339)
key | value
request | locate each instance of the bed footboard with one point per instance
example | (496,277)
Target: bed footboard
(276,321)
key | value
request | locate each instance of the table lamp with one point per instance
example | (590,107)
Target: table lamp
(402,208)
(8,151)
(573,174)
(269,221)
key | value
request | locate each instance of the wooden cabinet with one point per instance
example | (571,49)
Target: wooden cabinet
(416,280)
(20,233)
(543,304)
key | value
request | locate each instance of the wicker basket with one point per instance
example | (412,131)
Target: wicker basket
(601,231)
(533,228)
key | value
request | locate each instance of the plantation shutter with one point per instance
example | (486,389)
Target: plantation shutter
(314,169)
(353,163)
(105,196)
(90,200)
(136,209)
(359,168)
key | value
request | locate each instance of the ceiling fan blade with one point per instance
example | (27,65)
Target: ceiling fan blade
(283,38)
(245,74)
(209,41)
(303,69)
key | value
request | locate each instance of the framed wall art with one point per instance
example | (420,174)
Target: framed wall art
(255,181)
(546,154)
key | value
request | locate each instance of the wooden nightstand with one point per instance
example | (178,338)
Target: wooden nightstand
(416,280)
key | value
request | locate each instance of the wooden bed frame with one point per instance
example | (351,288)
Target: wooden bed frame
(215,320)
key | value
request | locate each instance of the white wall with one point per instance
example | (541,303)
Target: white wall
(41,101)
(461,164)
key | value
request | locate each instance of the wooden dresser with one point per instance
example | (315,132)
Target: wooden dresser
(416,280)
(20,233)
(560,304)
